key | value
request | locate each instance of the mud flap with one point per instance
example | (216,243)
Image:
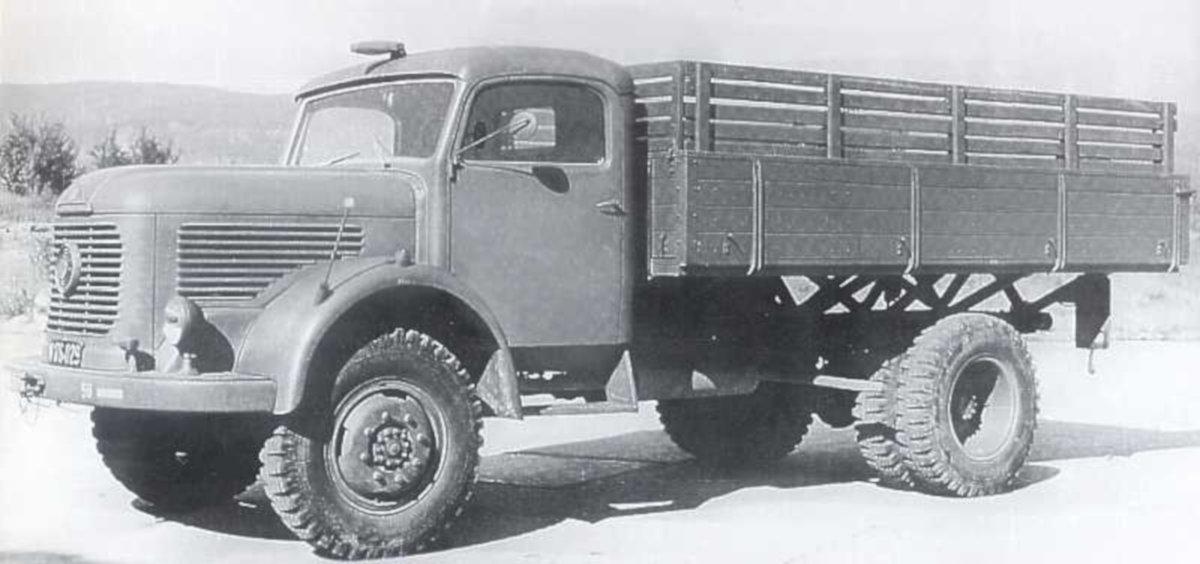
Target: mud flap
(1092,294)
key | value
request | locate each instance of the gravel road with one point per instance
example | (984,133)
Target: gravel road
(1112,478)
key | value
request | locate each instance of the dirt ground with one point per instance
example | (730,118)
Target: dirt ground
(1112,478)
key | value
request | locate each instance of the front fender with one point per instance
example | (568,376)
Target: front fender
(283,340)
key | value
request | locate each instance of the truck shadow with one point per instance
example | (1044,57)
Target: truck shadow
(502,510)
(642,472)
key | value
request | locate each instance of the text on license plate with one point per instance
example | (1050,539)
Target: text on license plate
(65,353)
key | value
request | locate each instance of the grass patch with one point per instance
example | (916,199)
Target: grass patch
(24,251)
(25,209)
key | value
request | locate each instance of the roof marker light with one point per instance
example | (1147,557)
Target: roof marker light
(393,49)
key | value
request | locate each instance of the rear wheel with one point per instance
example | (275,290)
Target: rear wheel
(178,461)
(876,429)
(739,430)
(966,406)
(387,466)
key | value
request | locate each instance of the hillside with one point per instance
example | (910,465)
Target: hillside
(209,125)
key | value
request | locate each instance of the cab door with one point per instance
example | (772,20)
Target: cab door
(538,213)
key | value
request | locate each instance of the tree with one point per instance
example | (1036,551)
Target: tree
(145,149)
(36,157)
(108,153)
(148,149)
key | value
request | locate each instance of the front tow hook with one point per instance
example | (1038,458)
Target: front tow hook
(31,387)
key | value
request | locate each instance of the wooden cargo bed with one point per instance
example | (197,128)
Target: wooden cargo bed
(771,171)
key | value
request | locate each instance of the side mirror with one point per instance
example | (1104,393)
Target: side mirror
(553,178)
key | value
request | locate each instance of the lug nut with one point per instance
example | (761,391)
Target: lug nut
(410,420)
(379,478)
(385,417)
(423,439)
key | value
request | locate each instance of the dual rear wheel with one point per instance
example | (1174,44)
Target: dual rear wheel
(956,413)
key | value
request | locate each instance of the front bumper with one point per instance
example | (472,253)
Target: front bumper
(157,391)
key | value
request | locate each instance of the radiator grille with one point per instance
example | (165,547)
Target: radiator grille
(237,261)
(91,308)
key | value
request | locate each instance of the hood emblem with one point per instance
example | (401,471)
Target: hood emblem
(67,268)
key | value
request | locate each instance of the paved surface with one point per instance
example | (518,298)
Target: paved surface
(1112,478)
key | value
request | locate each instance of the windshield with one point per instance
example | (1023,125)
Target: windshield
(373,124)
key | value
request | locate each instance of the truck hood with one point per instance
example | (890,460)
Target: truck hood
(243,190)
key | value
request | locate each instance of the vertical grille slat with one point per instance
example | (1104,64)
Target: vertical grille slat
(91,308)
(237,261)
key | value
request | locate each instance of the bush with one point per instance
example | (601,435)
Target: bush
(145,149)
(36,158)
(108,153)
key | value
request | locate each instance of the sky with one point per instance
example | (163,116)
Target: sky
(1141,49)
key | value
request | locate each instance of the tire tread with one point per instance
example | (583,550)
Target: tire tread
(931,355)
(297,505)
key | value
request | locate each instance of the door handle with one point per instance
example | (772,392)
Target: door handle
(611,207)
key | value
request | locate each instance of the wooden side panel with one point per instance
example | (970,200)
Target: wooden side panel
(1017,128)
(728,214)
(896,120)
(667,237)
(720,212)
(987,217)
(661,111)
(700,105)
(835,216)
(754,110)
(1120,222)
(1123,135)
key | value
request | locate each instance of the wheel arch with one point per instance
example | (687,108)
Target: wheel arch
(366,301)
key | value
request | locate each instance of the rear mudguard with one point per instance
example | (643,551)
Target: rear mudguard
(283,340)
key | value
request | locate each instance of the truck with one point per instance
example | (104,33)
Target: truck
(461,234)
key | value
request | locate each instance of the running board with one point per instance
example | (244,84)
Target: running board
(594,408)
(620,394)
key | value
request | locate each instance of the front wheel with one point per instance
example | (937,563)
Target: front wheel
(389,464)
(966,406)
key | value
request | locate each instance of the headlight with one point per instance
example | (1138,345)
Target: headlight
(180,317)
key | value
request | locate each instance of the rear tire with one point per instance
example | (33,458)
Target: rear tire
(176,461)
(743,430)
(876,429)
(967,406)
(385,467)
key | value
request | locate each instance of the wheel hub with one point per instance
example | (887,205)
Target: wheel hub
(387,446)
(970,416)
(983,408)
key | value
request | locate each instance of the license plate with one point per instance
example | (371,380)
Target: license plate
(65,353)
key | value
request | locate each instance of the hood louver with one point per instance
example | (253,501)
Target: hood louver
(237,261)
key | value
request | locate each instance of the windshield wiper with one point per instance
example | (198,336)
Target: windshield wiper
(341,159)
(511,127)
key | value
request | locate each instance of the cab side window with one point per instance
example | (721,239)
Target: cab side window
(536,122)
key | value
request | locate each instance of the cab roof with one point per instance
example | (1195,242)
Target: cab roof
(472,64)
